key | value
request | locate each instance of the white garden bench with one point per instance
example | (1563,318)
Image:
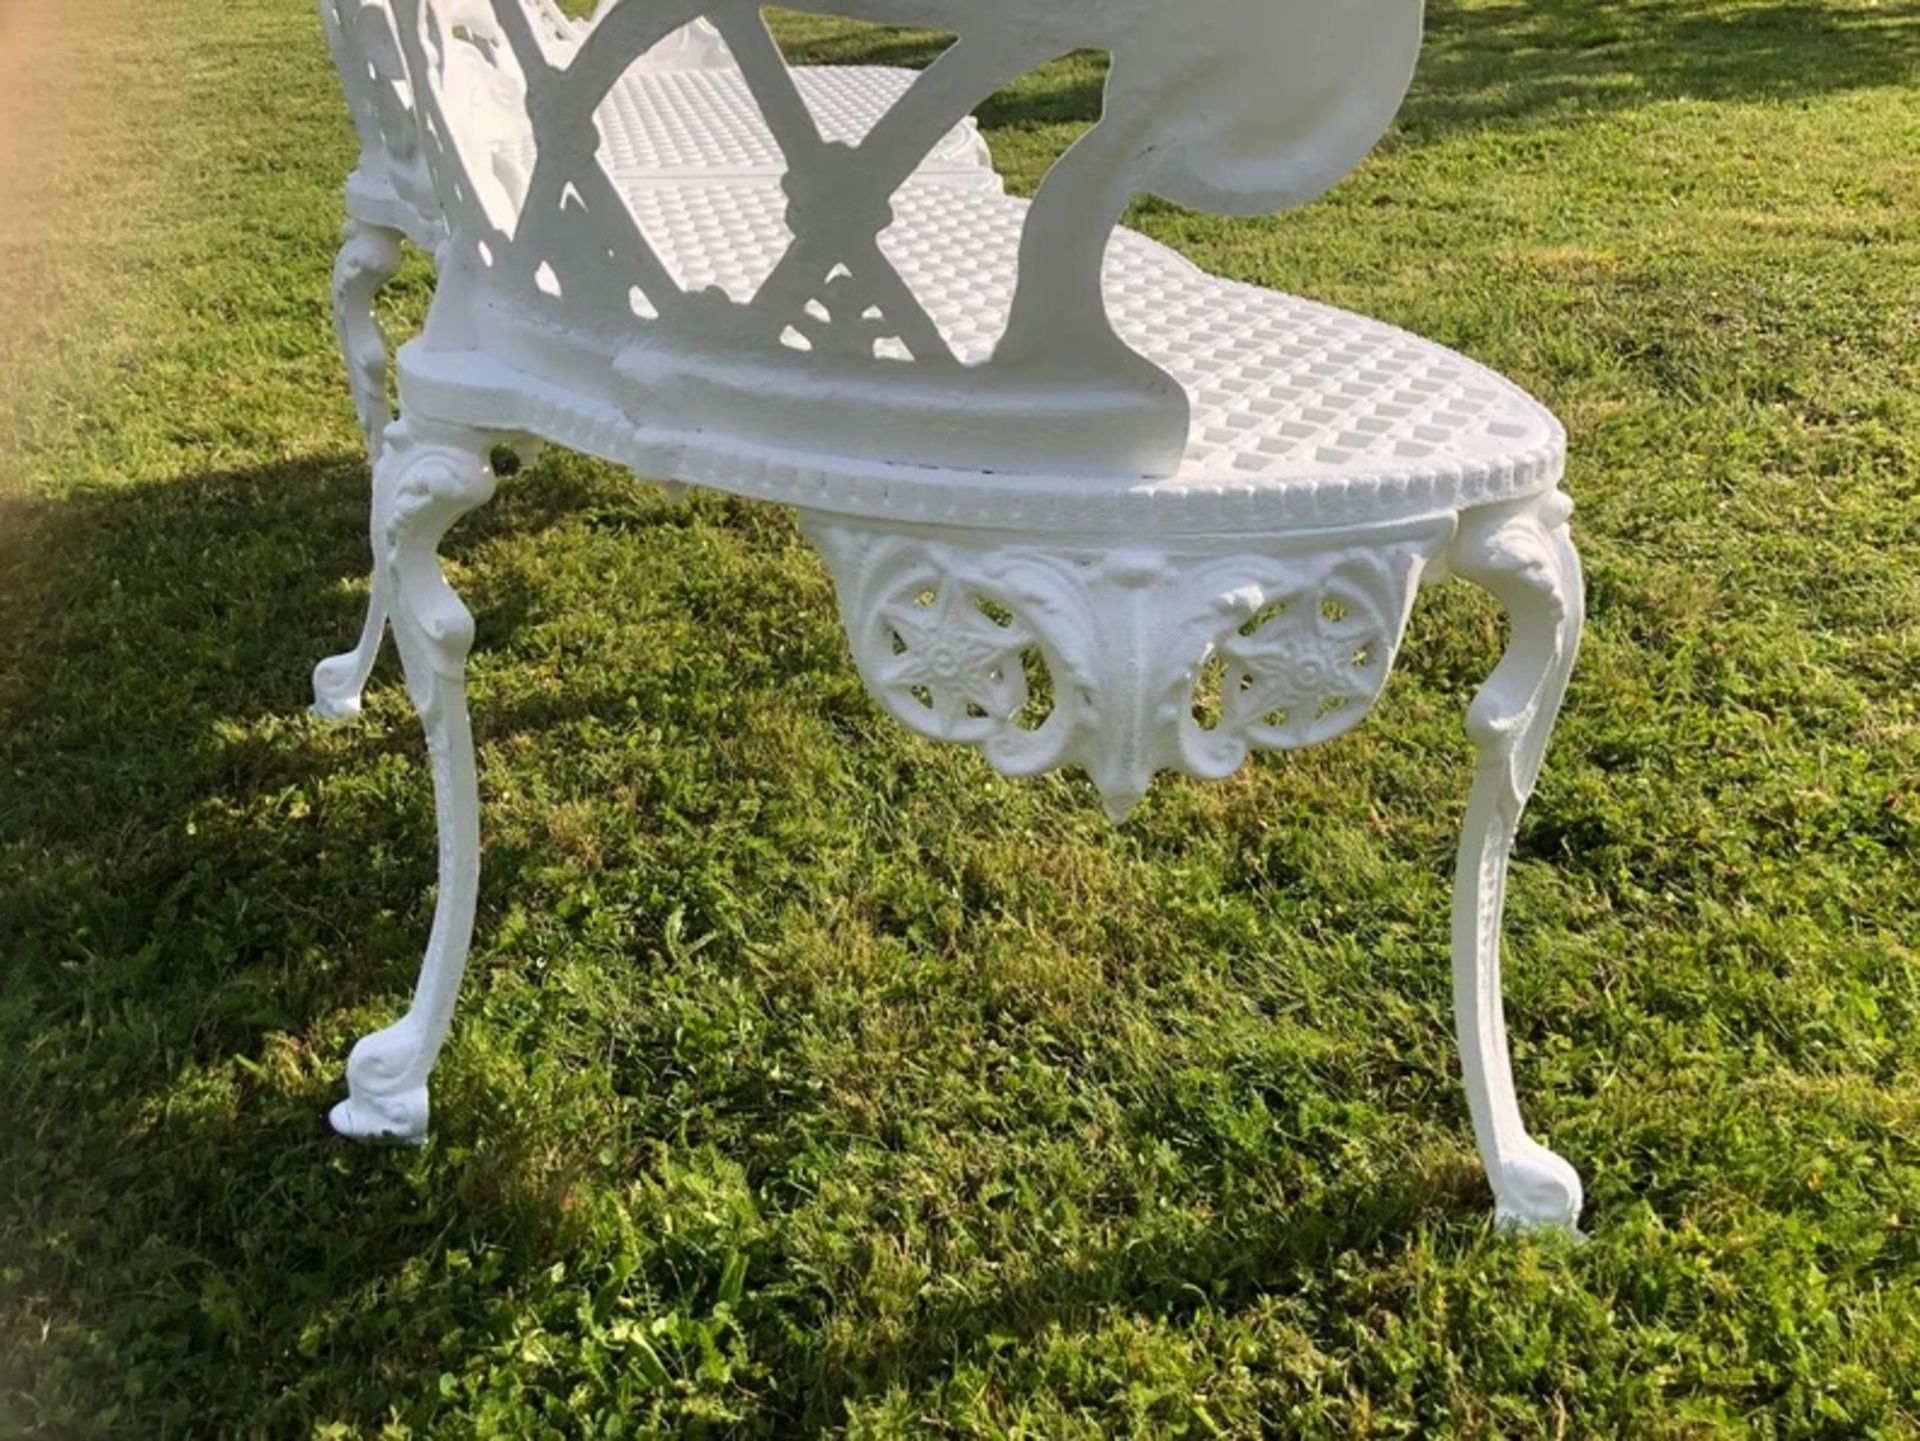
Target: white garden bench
(1027,442)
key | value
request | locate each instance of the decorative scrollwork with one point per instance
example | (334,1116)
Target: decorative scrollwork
(391,183)
(1184,658)
(1311,663)
(954,657)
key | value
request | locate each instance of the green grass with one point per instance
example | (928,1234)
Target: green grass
(810,1079)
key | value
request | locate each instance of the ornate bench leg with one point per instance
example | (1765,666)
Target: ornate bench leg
(427,479)
(368,259)
(1525,557)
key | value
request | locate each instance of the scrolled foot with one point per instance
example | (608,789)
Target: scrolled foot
(1534,1189)
(399,1121)
(385,1102)
(338,683)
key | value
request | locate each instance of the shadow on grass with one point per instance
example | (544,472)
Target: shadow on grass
(1514,62)
(187,894)
(1251,1248)
(1488,64)
(169,817)
(825,42)
(200,915)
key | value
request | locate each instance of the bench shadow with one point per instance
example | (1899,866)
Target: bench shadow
(1254,1248)
(162,771)
(852,43)
(154,685)
(180,866)
(1515,63)
(184,888)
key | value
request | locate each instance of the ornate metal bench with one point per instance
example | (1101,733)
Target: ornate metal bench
(1029,443)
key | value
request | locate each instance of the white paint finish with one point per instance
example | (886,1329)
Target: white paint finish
(1524,555)
(1084,504)
(426,479)
(1059,391)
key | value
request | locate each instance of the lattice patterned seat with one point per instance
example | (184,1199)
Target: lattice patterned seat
(1025,440)
(1284,392)
(700,122)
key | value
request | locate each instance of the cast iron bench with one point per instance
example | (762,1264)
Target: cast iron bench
(1028,442)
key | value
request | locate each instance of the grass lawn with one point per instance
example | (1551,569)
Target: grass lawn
(811,1080)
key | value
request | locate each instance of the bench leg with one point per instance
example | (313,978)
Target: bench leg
(368,258)
(428,477)
(1525,557)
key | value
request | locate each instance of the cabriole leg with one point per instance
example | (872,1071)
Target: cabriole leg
(428,477)
(368,259)
(1525,557)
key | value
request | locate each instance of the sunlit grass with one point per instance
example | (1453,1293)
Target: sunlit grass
(812,1079)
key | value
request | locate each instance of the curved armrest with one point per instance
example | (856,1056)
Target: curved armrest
(1237,107)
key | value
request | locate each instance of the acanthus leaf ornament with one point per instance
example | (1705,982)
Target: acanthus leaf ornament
(944,627)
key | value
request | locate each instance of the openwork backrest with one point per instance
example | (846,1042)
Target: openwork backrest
(1233,106)
(365,42)
(391,172)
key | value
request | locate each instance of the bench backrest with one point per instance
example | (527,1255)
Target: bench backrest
(1231,106)
(364,41)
